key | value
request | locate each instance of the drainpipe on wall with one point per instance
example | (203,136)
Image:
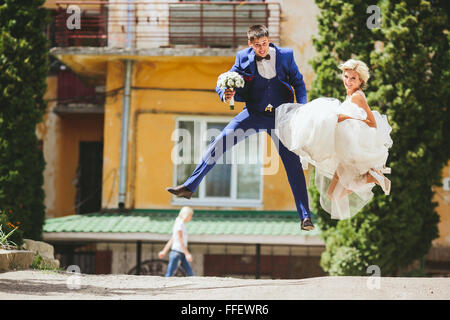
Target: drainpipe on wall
(124,135)
(125,113)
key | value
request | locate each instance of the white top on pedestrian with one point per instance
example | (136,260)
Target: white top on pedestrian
(179,225)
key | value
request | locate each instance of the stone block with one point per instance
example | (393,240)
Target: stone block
(44,249)
(15,259)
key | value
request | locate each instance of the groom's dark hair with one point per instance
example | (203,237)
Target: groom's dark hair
(257,31)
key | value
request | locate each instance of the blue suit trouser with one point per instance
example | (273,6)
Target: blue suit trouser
(240,127)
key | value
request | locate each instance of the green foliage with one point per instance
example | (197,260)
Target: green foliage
(342,35)
(410,84)
(9,236)
(37,262)
(40,264)
(345,261)
(23,71)
(416,273)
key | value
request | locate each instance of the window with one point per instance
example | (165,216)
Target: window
(235,180)
(215,23)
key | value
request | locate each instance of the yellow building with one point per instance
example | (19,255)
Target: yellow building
(438,258)
(127,81)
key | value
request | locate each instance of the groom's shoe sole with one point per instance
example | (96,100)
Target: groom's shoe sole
(180,191)
(308,227)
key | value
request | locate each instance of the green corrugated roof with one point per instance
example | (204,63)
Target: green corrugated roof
(205,222)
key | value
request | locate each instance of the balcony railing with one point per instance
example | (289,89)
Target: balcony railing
(74,96)
(152,24)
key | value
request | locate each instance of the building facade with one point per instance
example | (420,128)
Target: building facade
(131,108)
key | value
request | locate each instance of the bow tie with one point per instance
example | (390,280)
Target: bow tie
(258,58)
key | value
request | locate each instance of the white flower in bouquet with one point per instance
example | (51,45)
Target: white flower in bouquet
(230,80)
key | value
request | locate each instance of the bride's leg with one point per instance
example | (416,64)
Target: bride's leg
(371,179)
(332,186)
(345,192)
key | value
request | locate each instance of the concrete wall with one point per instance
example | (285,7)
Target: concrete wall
(47,131)
(61,135)
(151,31)
(298,26)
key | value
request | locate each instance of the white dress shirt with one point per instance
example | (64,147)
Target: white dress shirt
(266,68)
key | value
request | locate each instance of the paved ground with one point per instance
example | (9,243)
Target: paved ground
(30,284)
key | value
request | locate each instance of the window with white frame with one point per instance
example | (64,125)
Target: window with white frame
(236,178)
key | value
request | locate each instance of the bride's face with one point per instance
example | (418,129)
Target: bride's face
(351,80)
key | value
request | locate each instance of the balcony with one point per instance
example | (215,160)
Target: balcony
(77,97)
(157,24)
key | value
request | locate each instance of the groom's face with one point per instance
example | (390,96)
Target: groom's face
(260,46)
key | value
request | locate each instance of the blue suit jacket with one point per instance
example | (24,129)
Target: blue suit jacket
(286,68)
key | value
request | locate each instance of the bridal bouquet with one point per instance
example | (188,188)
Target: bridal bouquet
(230,80)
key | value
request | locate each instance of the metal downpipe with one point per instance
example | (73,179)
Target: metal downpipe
(124,135)
(125,112)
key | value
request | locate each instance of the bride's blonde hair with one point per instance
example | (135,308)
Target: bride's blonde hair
(360,68)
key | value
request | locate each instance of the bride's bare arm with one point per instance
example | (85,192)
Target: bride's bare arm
(361,102)
(342,117)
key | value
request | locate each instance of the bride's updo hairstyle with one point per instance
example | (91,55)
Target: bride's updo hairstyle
(358,66)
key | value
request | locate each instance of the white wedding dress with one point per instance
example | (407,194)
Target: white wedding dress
(349,148)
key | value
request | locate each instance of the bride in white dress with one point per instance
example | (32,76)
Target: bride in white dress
(346,142)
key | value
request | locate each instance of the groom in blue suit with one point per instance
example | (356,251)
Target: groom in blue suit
(270,73)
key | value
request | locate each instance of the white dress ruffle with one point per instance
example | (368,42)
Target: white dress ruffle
(348,148)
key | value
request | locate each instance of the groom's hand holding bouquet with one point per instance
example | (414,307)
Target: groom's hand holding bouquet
(229,81)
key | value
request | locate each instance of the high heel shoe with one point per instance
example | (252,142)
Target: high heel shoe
(384,182)
(383,169)
(386,170)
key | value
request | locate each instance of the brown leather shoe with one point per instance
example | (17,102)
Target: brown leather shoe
(307,224)
(180,191)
